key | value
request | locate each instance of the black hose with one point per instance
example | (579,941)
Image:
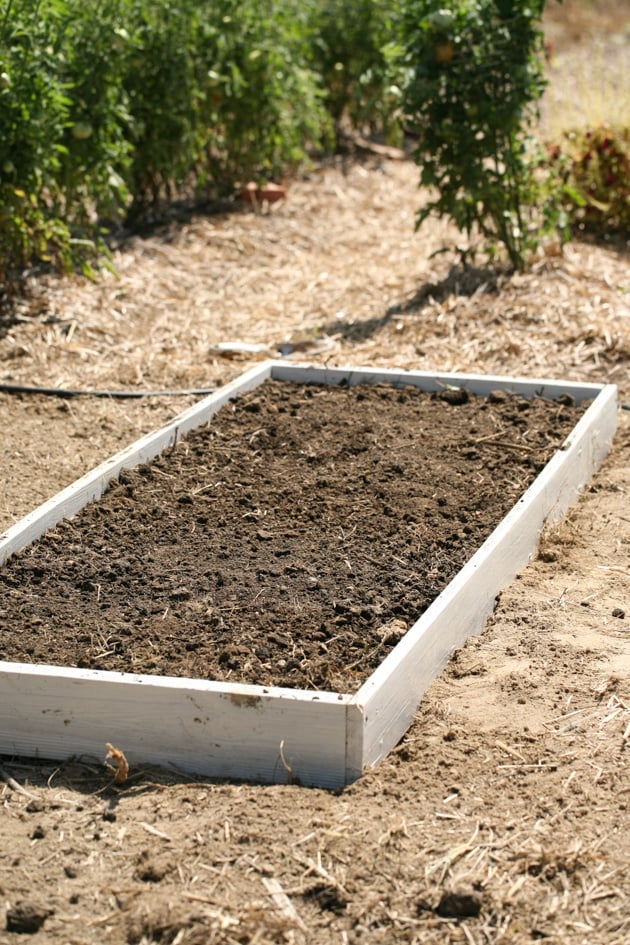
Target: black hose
(120,394)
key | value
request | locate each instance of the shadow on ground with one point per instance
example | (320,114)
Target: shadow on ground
(460,280)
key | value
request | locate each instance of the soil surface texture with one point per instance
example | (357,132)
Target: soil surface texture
(290,542)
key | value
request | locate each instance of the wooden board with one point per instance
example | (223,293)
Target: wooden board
(230,730)
(225,731)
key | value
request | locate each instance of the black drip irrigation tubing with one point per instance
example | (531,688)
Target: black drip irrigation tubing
(65,392)
(115,394)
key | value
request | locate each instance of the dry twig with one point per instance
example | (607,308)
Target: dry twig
(13,784)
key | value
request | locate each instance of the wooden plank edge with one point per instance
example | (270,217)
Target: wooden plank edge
(218,730)
(431,381)
(356,717)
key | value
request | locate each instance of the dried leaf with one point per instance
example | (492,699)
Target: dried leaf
(120,766)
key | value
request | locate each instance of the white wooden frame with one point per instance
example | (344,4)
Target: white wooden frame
(265,734)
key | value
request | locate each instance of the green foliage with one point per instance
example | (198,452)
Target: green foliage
(474,77)
(263,104)
(160,83)
(189,94)
(61,141)
(96,152)
(108,107)
(593,170)
(355,50)
(33,113)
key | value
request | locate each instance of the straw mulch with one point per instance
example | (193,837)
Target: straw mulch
(338,271)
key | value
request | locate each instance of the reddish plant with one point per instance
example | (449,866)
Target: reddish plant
(594,168)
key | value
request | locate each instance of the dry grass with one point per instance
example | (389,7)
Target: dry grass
(589,67)
(589,87)
(571,23)
(336,273)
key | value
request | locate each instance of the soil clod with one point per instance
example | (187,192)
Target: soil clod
(27,918)
(459,904)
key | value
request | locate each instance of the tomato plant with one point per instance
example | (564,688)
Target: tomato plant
(474,76)
(96,149)
(355,50)
(218,91)
(262,106)
(33,112)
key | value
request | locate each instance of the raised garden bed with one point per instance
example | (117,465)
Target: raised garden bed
(270,596)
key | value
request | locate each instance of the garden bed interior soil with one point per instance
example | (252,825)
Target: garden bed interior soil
(292,541)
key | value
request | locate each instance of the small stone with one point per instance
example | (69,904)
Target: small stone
(34,807)
(264,534)
(455,396)
(566,400)
(459,904)
(619,613)
(392,632)
(26,918)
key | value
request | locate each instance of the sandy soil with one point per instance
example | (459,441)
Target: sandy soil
(502,815)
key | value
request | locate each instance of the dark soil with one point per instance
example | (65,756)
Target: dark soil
(291,542)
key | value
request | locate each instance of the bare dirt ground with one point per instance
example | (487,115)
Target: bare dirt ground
(502,815)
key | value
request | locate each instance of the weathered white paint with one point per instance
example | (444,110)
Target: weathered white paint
(236,731)
(222,730)
(477,384)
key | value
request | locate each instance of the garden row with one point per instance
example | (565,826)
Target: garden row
(109,108)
